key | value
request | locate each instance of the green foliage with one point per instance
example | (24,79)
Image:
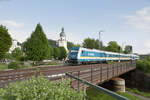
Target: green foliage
(22,58)
(113,47)
(60,53)
(145,57)
(143,65)
(8,56)
(51,52)
(40,89)
(3,66)
(94,94)
(5,41)
(17,53)
(134,90)
(52,43)
(128,49)
(77,45)
(92,44)
(56,53)
(14,65)
(36,47)
(63,53)
(70,45)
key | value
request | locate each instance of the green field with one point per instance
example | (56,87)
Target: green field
(136,91)
(3,66)
(96,95)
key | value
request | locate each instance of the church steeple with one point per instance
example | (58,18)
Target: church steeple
(62,32)
(62,29)
(62,42)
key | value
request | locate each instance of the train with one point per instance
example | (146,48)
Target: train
(80,55)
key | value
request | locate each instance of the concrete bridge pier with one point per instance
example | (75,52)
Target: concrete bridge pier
(118,84)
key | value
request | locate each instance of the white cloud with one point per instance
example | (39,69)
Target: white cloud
(15,29)
(11,24)
(141,20)
(147,44)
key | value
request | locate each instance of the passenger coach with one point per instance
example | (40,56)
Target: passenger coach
(84,55)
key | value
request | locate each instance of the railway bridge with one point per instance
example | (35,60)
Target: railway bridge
(81,76)
(94,73)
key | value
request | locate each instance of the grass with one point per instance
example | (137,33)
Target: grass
(96,95)
(3,66)
(136,91)
(52,63)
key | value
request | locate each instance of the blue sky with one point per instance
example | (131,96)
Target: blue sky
(124,21)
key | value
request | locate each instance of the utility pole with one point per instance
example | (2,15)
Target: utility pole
(100,46)
(123,45)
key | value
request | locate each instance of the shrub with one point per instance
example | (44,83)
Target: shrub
(17,53)
(14,65)
(22,58)
(40,89)
(144,65)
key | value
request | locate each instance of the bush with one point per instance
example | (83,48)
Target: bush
(22,58)
(40,89)
(63,53)
(3,66)
(144,65)
(17,53)
(14,65)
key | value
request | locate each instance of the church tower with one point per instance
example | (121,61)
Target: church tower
(62,42)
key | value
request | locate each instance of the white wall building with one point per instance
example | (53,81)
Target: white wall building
(62,42)
(15,44)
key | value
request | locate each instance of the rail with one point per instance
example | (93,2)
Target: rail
(93,73)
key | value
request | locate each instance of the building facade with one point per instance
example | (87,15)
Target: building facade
(62,42)
(15,44)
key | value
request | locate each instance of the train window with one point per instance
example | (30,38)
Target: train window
(82,51)
(74,51)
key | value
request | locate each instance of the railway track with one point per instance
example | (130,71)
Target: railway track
(52,72)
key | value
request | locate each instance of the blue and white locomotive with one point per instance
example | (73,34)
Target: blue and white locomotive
(84,55)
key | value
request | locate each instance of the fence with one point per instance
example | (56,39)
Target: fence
(101,89)
(101,73)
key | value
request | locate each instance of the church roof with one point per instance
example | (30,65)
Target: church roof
(62,32)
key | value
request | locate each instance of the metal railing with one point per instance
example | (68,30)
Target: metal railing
(101,89)
(100,73)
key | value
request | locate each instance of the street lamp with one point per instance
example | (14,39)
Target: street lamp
(100,46)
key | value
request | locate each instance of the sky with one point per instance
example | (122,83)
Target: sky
(124,21)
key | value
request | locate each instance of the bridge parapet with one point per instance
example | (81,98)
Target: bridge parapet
(92,73)
(100,73)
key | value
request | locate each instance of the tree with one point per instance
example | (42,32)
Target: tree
(63,53)
(16,53)
(99,45)
(51,52)
(128,49)
(113,47)
(56,53)
(52,43)
(5,41)
(92,44)
(37,47)
(70,45)
(88,43)
(77,45)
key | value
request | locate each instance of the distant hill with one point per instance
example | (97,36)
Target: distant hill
(54,44)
